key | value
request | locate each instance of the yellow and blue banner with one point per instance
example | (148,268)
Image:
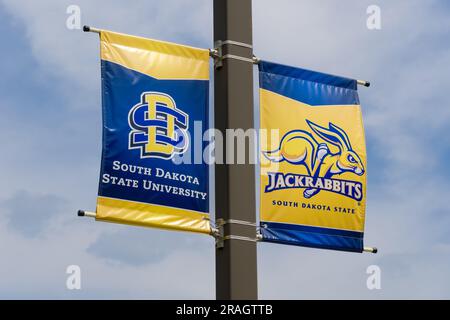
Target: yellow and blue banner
(313,174)
(152,94)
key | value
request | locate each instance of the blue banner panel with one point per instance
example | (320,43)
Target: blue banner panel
(154,94)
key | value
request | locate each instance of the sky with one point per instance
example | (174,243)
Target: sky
(50,137)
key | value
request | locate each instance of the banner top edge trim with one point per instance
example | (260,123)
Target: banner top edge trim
(140,38)
(307,74)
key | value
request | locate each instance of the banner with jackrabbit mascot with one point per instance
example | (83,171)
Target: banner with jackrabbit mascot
(313,159)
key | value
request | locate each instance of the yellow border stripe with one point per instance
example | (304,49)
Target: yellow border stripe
(150,215)
(158,59)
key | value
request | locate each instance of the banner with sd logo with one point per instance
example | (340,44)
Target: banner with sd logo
(152,94)
(313,177)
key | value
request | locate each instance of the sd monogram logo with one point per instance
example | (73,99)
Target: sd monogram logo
(158,128)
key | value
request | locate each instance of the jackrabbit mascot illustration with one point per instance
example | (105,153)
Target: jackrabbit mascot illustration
(299,147)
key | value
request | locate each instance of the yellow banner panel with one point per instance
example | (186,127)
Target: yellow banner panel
(313,171)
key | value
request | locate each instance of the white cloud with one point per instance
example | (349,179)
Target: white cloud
(72,56)
(405,110)
(37,269)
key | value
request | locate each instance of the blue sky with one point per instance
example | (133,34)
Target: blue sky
(50,133)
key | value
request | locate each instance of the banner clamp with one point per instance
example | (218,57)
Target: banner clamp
(363,83)
(220,240)
(90,29)
(216,53)
(82,213)
(232,237)
(234,221)
(219,234)
(220,43)
(370,249)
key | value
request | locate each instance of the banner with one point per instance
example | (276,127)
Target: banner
(313,175)
(153,94)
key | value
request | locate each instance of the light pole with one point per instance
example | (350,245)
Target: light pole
(236,262)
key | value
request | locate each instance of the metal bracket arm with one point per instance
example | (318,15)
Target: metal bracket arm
(82,213)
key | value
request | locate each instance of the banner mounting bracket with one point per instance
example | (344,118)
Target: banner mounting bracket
(90,29)
(83,213)
(219,234)
(218,56)
(370,249)
(363,83)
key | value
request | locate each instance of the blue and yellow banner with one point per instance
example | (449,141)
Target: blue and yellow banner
(152,94)
(313,173)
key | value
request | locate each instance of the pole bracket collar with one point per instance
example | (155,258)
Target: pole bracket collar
(219,234)
(218,56)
